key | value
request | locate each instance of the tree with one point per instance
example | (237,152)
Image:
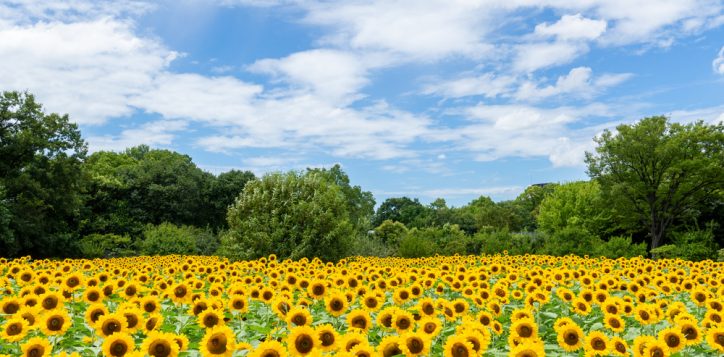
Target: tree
(656,171)
(576,204)
(222,192)
(529,201)
(407,211)
(360,204)
(41,172)
(6,235)
(390,233)
(292,215)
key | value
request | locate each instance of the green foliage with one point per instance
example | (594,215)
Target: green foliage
(221,192)
(416,246)
(654,172)
(167,238)
(409,212)
(621,246)
(666,251)
(41,172)
(360,204)
(720,255)
(529,201)
(105,246)
(370,246)
(571,240)
(576,204)
(695,245)
(500,241)
(390,233)
(6,235)
(291,215)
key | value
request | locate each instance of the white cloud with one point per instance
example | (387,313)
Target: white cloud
(156,133)
(333,75)
(488,85)
(579,82)
(88,69)
(534,56)
(718,63)
(573,27)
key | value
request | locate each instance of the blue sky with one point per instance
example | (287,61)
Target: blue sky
(451,99)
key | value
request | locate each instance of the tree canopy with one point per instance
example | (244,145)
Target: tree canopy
(657,172)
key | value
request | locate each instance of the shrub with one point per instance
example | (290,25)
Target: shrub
(416,245)
(695,245)
(621,246)
(390,232)
(105,246)
(572,240)
(166,238)
(371,245)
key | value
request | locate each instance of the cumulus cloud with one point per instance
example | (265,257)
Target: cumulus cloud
(573,27)
(579,82)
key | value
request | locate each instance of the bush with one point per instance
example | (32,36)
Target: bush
(292,215)
(166,238)
(721,255)
(371,245)
(105,246)
(390,232)
(572,240)
(620,246)
(695,245)
(666,251)
(416,245)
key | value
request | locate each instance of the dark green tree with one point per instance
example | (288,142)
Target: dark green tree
(405,210)
(41,171)
(221,193)
(657,172)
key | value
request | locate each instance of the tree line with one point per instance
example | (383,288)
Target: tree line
(655,188)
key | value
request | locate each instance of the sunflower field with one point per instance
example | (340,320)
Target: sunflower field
(460,306)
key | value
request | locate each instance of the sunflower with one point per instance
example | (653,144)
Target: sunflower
(93,295)
(643,315)
(362,351)
(402,321)
(656,348)
(690,331)
(570,337)
(210,318)
(614,322)
(299,316)
(525,328)
(55,322)
(153,322)
(372,302)
(619,347)
(269,348)
(640,343)
(110,324)
(328,337)
(414,344)
(51,300)
(581,306)
(715,338)
(359,320)
(218,341)
(673,338)
(36,347)
(118,344)
(529,348)
(317,289)
(336,304)
(238,303)
(281,306)
(180,293)
(478,337)
(596,343)
(426,306)
(389,346)
(134,318)
(29,314)
(302,341)
(150,304)
(351,339)
(384,317)
(159,344)
(14,329)
(9,305)
(73,281)
(458,346)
